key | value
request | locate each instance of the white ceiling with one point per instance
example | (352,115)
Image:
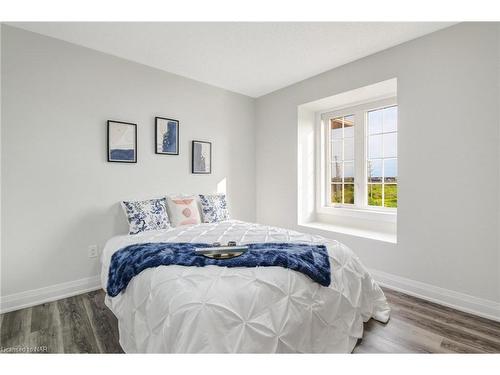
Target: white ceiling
(249,58)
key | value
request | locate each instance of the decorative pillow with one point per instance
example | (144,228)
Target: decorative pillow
(214,208)
(146,215)
(183,210)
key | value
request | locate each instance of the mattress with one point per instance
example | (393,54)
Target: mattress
(213,309)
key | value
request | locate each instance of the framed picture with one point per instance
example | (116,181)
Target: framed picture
(122,142)
(166,136)
(202,157)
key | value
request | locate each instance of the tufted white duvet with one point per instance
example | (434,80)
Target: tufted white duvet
(264,309)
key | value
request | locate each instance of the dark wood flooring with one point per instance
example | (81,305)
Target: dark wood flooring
(83,324)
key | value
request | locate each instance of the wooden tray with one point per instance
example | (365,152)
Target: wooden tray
(222,252)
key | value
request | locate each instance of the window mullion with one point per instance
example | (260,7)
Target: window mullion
(359,163)
(342,191)
(383,163)
(328,163)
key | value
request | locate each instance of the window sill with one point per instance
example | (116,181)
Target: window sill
(352,231)
(388,216)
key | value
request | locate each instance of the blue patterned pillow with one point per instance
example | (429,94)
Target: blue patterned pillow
(147,215)
(214,208)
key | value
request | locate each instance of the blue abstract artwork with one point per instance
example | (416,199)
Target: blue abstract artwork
(122,154)
(167,136)
(122,141)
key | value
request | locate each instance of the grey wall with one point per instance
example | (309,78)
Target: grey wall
(0,144)
(448,214)
(59,193)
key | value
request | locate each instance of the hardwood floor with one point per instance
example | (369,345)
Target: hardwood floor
(83,324)
(80,324)
(419,326)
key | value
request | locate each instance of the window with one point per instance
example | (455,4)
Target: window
(382,162)
(361,156)
(342,159)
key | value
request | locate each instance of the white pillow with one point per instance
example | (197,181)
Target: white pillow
(183,210)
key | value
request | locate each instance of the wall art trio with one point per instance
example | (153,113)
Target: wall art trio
(122,144)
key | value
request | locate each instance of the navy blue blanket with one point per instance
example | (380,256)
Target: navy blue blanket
(311,260)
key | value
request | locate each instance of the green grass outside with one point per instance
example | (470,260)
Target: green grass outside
(348,192)
(374,194)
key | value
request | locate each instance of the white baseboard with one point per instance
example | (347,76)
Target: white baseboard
(51,293)
(459,301)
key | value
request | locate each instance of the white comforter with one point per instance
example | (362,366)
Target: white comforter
(264,309)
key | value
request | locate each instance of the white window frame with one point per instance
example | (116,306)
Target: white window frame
(360,208)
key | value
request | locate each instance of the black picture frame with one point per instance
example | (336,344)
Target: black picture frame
(158,121)
(195,169)
(123,152)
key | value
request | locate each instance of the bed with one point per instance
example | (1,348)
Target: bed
(212,309)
